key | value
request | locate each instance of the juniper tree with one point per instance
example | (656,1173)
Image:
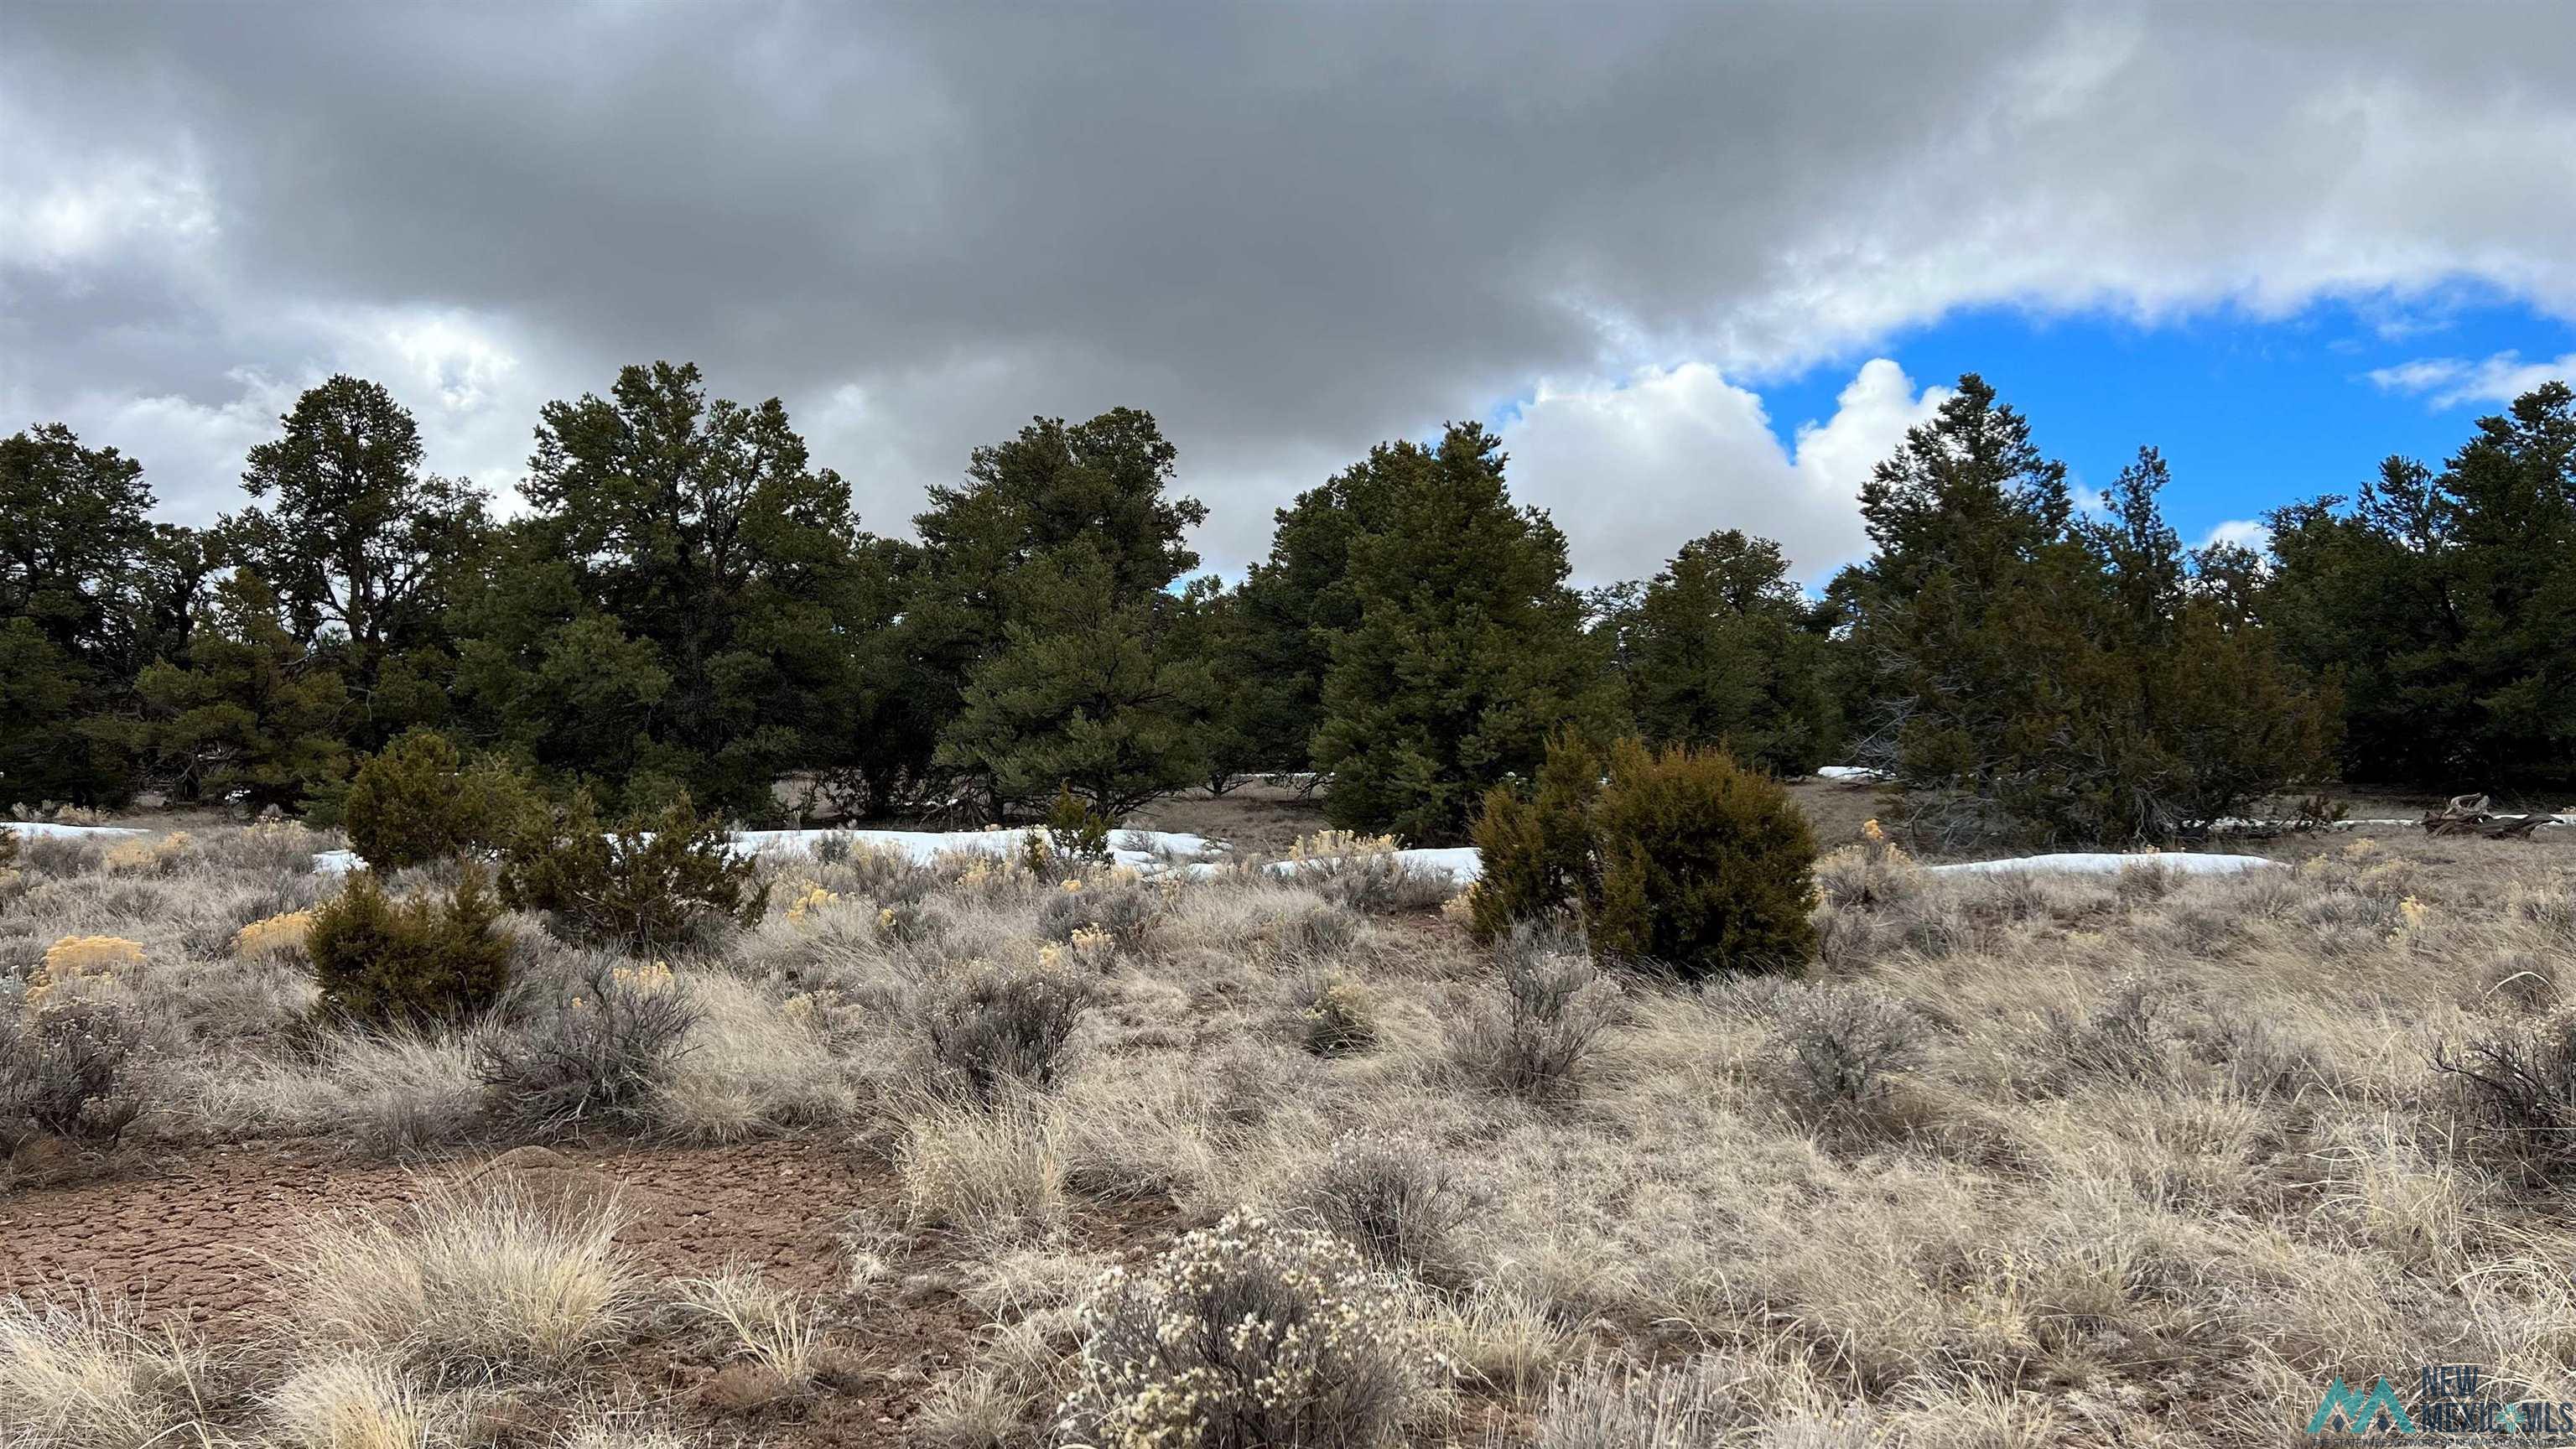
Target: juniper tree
(1464,650)
(1722,649)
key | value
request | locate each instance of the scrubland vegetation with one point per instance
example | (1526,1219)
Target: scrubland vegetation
(2016,1159)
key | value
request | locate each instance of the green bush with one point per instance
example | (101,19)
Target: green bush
(1674,857)
(655,881)
(392,962)
(418,801)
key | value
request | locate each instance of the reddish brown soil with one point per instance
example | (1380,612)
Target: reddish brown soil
(198,1235)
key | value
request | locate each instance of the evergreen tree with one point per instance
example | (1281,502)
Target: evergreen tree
(1293,603)
(1027,508)
(2445,601)
(1088,693)
(251,716)
(1966,508)
(667,613)
(1722,650)
(1465,651)
(82,606)
(359,545)
(2067,677)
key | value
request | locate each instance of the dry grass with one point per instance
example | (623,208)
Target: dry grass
(2024,1160)
(87,1376)
(469,1282)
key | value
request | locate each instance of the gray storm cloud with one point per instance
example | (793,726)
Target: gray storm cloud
(1289,231)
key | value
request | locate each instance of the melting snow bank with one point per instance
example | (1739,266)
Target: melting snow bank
(2086,863)
(37,829)
(1149,851)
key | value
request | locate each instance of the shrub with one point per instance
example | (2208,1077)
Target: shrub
(1247,1334)
(389,962)
(1846,1041)
(8,849)
(1338,1015)
(1128,913)
(597,1054)
(1076,837)
(1555,1004)
(151,855)
(993,1030)
(1678,858)
(654,882)
(70,1069)
(2516,1087)
(76,958)
(417,801)
(2123,1039)
(273,936)
(1392,1200)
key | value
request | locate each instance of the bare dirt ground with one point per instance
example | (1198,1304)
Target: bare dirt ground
(204,1237)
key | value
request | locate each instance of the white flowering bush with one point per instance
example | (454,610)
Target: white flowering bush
(1250,1333)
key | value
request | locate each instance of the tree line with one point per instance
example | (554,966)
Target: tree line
(687,605)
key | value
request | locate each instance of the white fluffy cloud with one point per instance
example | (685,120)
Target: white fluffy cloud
(2451,381)
(1632,470)
(2242,532)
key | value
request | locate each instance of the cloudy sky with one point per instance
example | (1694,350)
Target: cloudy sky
(1703,265)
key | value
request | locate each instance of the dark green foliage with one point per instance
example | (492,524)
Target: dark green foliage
(1075,831)
(70,1069)
(90,590)
(684,605)
(2071,682)
(417,801)
(995,1030)
(654,882)
(362,548)
(594,1052)
(1291,605)
(1466,650)
(1721,649)
(1537,853)
(250,713)
(2447,602)
(1037,644)
(389,963)
(1086,693)
(1679,858)
(1700,865)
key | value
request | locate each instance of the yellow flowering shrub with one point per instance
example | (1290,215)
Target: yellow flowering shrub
(75,958)
(148,855)
(1337,844)
(273,935)
(805,898)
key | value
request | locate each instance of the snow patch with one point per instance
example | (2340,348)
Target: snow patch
(41,830)
(1148,851)
(2089,863)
